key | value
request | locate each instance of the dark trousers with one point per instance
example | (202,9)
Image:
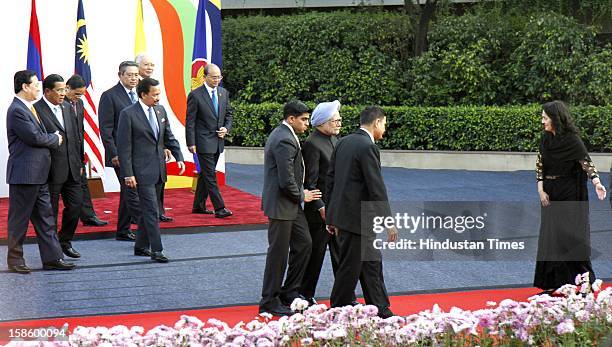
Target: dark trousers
(129,206)
(287,239)
(87,210)
(320,240)
(31,202)
(72,196)
(160,197)
(207,182)
(148,223)
(353,268)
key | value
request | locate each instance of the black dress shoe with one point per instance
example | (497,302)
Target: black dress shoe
(20,269)
(288,300)
(59,264)
(142,252)
(164,218)
(94,222)
(202,211)
(159,257)
(277,311)
(385,313)
(71,252)
(129,236)
(222,213)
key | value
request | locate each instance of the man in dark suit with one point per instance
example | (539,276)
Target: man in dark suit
(75,89)
(355,177)
(144,132)
(145,69)
(282,198)
(112,102)
(209,119)
(317,151)
(66,160)
(27,172)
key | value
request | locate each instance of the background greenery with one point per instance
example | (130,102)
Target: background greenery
(464,92)
(464,128)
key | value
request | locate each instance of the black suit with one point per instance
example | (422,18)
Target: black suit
(201,125)
(141,153)
(66,166)
(283,192)
(317,151)
(354,177)
(112,102)
(27,172)
(87,210)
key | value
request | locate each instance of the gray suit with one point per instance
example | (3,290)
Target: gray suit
(141,154)
(27,172)
(283,193)
(201,125)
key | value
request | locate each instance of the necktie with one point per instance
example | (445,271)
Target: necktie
(153,122)
(34,113)
(215,102)
(58,115)
(133,96)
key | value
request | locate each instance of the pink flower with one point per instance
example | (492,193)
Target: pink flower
(566,327)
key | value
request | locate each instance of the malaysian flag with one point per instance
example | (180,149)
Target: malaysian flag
(94,150)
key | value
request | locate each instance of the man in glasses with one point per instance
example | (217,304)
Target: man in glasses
(112,102)
(317,151)
(209,119)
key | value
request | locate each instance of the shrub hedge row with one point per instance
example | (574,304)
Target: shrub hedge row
(482,128)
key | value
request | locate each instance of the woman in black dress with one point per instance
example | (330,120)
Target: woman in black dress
(563,168)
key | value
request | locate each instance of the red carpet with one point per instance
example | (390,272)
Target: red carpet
(246,208)
(401,305)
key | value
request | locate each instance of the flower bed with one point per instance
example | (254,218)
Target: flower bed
(581,316)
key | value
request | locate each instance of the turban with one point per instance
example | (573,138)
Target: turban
(323,112)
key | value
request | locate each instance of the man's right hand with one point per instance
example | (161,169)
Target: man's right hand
(310,195)
(130,181)
(192,149)
(115,161)
(59,136)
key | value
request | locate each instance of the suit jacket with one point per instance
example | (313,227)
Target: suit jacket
(78,109)
(112,102)
(317,151)
(140,154)
(66,159)
(283,189)
(354,177)
(28,142)
(202,121)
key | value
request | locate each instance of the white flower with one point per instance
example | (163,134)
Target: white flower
(299,305)
(307,341)
(566,327)
(266,315)
(597,285)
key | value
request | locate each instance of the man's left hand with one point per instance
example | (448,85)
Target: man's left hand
(181,166)
(222,132)
(168,155)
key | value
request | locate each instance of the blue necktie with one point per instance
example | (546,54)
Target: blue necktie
(153,122)
(133,96)
(215,102)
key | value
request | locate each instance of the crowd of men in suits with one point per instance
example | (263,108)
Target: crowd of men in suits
(312,196)
(46,158)
(312,192)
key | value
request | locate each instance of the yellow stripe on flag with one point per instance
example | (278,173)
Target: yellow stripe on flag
(140,44)
(179,182)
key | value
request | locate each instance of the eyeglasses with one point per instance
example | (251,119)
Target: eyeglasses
(216,78)
(336,121)
(131,75)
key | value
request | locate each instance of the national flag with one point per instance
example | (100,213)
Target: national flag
(207,49)
(34,50)
(140,43)
(94,150)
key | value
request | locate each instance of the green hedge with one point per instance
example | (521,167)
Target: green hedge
(483,128)
(489,57)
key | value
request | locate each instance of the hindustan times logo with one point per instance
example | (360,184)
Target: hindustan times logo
(458,224)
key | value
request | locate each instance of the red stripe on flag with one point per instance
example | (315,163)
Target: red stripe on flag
(93,147)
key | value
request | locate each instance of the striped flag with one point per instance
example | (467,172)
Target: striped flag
(34,51)
(94,150)
(207,49)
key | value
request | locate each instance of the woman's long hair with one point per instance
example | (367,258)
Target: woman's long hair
(559,113)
